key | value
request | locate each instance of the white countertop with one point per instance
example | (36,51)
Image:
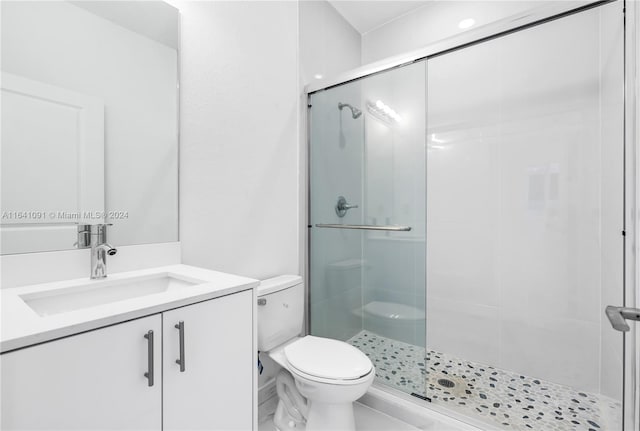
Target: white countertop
(22,326)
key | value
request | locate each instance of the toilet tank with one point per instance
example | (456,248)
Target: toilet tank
(280,310)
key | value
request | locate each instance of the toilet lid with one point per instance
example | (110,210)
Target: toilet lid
(328,359)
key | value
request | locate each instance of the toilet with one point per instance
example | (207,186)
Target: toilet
(329,375)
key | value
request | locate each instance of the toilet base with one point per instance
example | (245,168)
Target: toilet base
(283,421)
(331,417)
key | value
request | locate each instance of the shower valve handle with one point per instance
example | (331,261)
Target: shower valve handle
(343,206)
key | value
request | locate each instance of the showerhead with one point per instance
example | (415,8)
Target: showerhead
(355,112)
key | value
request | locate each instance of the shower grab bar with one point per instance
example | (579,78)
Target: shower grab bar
(366,227)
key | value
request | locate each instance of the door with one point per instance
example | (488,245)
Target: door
(525,225)
(208,364)
(367,229)
(91,381)
(53,133)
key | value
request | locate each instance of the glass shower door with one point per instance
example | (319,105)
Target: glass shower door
(524,220)
(367,221)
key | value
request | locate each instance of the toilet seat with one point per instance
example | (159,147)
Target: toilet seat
(300,376)
(326,360)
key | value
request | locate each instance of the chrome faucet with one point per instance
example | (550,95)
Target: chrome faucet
(95,236)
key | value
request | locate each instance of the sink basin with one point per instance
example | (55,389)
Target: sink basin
(94,293)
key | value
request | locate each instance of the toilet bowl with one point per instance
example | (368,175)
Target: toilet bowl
(329,374)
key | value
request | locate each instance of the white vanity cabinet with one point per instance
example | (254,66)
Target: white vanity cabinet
(96,380)
(215,390)
(90,381)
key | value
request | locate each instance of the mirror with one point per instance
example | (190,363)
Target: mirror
(89,122)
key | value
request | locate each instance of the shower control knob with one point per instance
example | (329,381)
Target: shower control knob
(343,206)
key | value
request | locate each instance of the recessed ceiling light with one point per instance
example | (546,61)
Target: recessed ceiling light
(466,23)
(317,76)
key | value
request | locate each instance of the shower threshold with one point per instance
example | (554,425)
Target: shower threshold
(504,399)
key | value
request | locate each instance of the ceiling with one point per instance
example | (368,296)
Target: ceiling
(366,15)
(154,19)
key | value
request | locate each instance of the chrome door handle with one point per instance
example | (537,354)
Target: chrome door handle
(180,361)
(392,228)
(149,373)
(343,206)
(618,315)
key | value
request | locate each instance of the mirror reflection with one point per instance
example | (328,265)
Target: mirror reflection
(89,122)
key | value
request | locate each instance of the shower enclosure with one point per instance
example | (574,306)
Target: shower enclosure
(465,223)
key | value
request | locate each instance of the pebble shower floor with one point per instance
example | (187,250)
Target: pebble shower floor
(509,400)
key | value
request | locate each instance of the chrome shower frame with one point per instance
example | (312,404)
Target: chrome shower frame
(631,89)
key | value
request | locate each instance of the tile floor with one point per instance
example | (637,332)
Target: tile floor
(367,419)
(503,399)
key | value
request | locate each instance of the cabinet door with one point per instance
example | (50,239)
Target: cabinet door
(215,390)
(90,381)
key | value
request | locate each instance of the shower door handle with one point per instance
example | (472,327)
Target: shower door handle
(391,228)
(618,315)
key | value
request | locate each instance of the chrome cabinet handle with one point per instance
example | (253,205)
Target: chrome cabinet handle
(149,373)
(618,315)
(180,361)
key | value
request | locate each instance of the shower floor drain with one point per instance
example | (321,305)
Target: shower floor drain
(446,383)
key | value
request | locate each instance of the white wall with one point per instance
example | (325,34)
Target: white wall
(329,45)
(241,166)
(435,21)
(239,137)
(34,268)
(60,44)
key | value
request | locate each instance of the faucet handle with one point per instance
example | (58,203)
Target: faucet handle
(84,236)
(96,230)
(343,206)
